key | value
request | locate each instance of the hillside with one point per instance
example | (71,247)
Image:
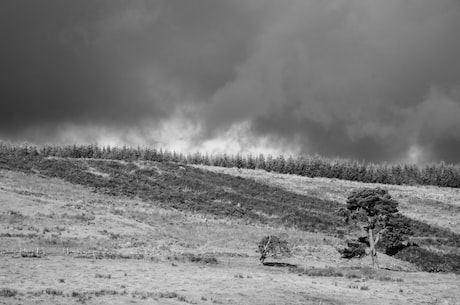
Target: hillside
(100,231)
(437,206)
(172,185)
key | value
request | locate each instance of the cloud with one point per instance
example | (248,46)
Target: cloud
(113,61)
(434,125)
(373,80)
(345,76)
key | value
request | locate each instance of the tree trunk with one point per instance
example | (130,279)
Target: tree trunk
(372,249)
(264,253)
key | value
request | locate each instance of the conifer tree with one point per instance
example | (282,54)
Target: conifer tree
(373,209)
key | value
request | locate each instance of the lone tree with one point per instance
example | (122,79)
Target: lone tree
(274,246)
(376,212)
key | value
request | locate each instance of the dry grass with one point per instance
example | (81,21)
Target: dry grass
(85,263)
(438,206)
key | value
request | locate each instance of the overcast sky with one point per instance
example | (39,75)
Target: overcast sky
(371,80)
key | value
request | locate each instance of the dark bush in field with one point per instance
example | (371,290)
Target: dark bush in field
(273,246)
(429,261)
(395,237)
(8,292)
(195,258)
(353,249)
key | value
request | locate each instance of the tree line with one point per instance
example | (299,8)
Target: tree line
(440,174)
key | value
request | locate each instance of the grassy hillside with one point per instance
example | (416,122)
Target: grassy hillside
(171,185)
(436,206)
(98,231)
(81,247)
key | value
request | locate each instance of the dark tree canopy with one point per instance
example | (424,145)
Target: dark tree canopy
(373,202)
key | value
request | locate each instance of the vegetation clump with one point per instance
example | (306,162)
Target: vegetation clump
(273,246)
(195,258)
(353,249)
(8,292)
(429,261)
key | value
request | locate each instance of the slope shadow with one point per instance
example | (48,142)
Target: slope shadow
(275,264)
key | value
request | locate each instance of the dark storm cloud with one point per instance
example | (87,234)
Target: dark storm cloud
(374,80)
(53,66)
(435,123)
(113,61)
(353,78)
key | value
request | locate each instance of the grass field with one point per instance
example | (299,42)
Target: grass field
(97,232)
(439,206)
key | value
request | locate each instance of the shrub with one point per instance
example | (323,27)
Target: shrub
(393,237)
(353,249)
(430,261)
(274,246)
(8,292)
(195,258)
(202,259)
(324,272)
(52,291)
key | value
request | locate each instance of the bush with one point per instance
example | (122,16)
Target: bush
(8,293)
(274,246)
(430,261)
(195,258)
(52,291)
(394,238)
(353,249)
(324,272)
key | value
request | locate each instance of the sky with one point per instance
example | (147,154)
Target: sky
(371,80)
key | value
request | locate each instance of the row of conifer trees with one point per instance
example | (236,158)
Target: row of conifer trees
(440,174)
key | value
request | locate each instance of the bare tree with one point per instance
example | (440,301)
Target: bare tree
(274,246)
